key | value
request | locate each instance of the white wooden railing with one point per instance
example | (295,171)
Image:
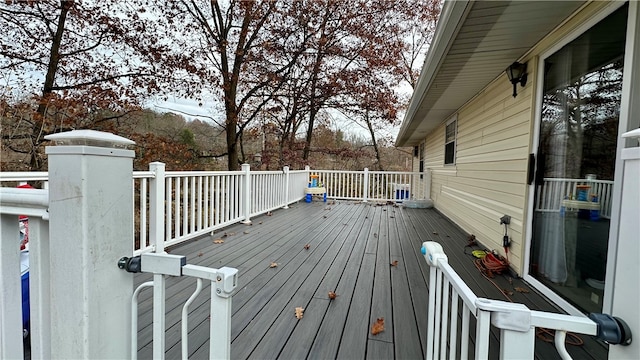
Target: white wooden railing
(34,204)
(194,203)
(550,194)
(79,226)
(367,185)
(452,304)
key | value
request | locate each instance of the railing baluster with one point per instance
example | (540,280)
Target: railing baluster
(454,324)
(464,334)
(444,319)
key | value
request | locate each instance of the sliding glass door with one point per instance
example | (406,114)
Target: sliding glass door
(576,159)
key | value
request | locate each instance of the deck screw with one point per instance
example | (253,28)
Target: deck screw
(218,291)
(219,278)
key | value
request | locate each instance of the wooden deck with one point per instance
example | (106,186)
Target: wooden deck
(351,247)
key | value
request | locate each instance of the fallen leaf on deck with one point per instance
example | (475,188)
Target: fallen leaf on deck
(269,213)
(394,263)
(435,233)
(332,295)
(508,292)
(246,232)
(327,208)
(218,241)
(377,327)
(224,235)
(521,290)
(200,254)
(299,312)
(306,247)
(375,235)
(260,223)
(230,234)
(273,265)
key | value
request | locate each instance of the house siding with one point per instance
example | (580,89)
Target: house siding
(494,139)
(488,179)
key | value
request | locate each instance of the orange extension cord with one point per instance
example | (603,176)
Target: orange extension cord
(491,264)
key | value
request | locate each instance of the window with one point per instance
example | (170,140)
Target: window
(421,154)
(450,142)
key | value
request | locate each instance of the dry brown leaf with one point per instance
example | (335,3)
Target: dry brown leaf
(273,264)
(246,232)
(299,312)
(306,247)
(332,295)
(375,235)
(521,290)
(230,234)
(200,254)
(218,241)
(507,292)
(377,326)
(394,263)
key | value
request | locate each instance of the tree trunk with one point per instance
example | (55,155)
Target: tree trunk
(373,139)
(47,89)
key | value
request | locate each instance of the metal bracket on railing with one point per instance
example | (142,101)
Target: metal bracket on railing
(507,315)
(224,279)
(433,253)
(612,329)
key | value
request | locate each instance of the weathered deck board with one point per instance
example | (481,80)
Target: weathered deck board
(351,248)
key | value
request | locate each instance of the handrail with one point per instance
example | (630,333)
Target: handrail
(516,322)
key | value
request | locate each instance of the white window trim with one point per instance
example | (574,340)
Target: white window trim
(454,141)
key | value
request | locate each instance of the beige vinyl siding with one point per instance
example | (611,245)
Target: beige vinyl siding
(493,143)
(488,179)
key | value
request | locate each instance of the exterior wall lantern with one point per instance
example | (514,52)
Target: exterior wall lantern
(517,73)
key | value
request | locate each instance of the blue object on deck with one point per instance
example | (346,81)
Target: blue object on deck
(24,275)
(308,198)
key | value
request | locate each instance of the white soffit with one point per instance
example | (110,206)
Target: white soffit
(474,43)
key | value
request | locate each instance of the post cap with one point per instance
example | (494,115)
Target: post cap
(90,138)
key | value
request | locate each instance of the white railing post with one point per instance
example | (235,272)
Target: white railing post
(246,196)
(433,254)
(286,187)
(156,206)
(156,234)
(517,335)
(10,309)
(91,227)
(626,266)
(365,185)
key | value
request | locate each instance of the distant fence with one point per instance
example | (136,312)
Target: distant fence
(189,204)
(368,185)
(550,194)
